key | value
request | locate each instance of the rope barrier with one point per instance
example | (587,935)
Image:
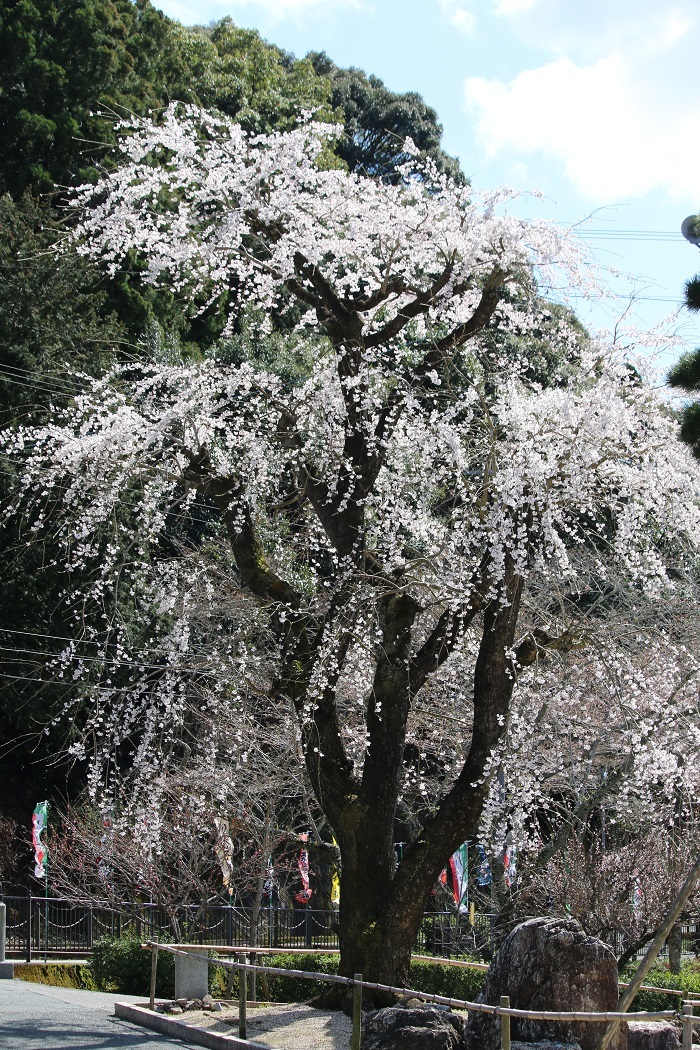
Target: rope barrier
(462,1004)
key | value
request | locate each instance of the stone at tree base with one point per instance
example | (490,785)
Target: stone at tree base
(544,1044)
(549,964)
(413,1028)
(652,1035)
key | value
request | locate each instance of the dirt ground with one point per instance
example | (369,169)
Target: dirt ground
(283,1026)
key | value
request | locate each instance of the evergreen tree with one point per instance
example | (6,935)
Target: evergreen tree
(685,375)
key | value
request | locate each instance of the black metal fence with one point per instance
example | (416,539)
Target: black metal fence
(38,926)
(57,927)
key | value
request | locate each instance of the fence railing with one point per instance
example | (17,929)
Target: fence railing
(63,927)
(504,1010)
(39,926)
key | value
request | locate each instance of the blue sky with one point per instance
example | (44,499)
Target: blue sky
(594,105)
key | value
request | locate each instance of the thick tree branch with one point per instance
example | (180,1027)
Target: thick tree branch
(538,642)
(227,494)
(448,631)
(420,305)
(459,810)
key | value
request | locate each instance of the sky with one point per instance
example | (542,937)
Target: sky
(596,106)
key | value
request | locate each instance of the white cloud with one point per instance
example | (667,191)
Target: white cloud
(598,27)
(508,8)
(457,11)
(618,106)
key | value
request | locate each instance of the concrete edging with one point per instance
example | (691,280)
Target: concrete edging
(145,1017)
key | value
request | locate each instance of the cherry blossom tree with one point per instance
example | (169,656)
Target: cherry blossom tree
(372,524)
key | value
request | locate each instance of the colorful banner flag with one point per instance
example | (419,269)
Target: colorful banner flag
(224,852)
(637,898)
(303,864)
(459,867)
(335,883)
(510,856)
(483,876)
(39,823)
(269,883)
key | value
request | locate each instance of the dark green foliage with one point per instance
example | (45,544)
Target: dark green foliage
(60,62)
(253,81)
(688,980)
(54,315)
(120,964)
(66,63)
(692,293)
(293,989)
(377,122)
(685,375)
(455,982)
(686,372)
(54,318)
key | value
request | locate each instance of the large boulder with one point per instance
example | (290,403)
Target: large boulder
(413,1028)
(652,1035)
(549,964)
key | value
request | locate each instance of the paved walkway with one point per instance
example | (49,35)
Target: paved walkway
(40,1017)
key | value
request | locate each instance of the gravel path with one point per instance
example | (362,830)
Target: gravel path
(283,1026)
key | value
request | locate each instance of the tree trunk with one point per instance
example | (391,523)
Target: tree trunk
(674,948)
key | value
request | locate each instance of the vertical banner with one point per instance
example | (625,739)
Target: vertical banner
(483,877)
(224,852)
(269,884)
(335,882)
(459,867)
(510,856)
(39,823)
(303,864)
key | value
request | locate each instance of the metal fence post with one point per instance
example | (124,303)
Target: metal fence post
(242,1001)
(89,928)
(356,1013)
(686,1020)
(28,928)
(505,1024)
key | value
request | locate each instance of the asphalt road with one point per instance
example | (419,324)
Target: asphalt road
(39,1017)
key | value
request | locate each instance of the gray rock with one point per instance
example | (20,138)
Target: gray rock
(652,1035)
(413,1028)
(182,1003)
(544,1044)
(549,964)
(175,1009)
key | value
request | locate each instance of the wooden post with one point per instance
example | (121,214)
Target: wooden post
(242,1001)
(154,969)
(505,1024)
(687,1026)
(356,1013)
